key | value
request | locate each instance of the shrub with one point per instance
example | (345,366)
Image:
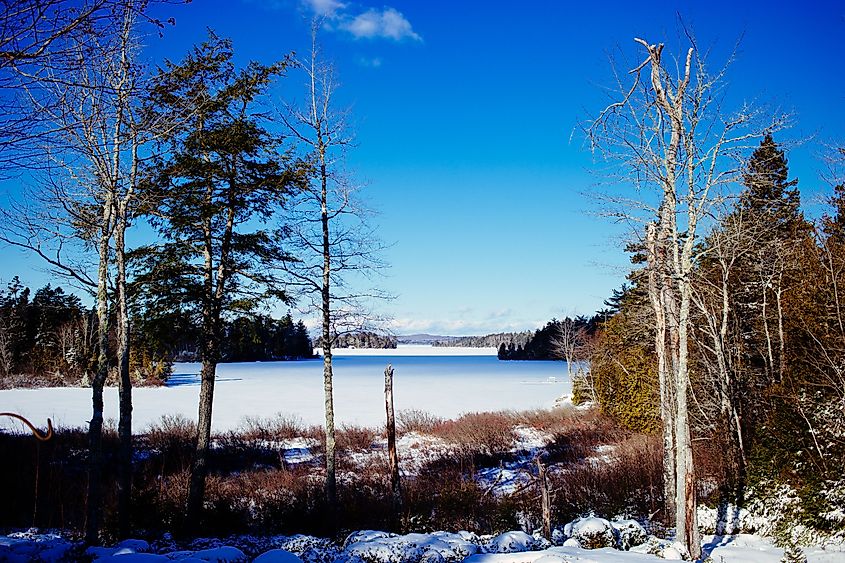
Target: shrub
(486,434)
(417,421)
(355,438)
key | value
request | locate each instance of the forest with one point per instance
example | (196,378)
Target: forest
(765,345)
(48,339)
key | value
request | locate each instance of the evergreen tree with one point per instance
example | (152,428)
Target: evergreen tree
(222,176)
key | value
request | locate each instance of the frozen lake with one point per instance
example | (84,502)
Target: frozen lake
(446,382)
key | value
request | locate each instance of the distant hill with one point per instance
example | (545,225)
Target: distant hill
(486,341)
(423,338)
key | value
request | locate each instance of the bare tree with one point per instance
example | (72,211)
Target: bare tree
(567,342)
(6,350)
(669,129)
(33,37)
(90,158)
(336,249)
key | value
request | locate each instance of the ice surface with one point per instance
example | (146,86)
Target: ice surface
(444,385)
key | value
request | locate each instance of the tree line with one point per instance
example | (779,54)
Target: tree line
(242,198)
(557,340)
(362,339)
(47,338)
(486,341)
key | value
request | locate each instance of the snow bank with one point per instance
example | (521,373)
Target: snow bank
(277,556)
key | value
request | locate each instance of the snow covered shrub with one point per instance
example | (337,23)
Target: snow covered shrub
(511,542)
(652,546)
(629,533)
(582,389)
(591,532)
(32,546)
(381,547)
(793,554)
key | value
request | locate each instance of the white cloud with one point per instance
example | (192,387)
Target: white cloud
(324,7)
(371,23)
(496,321)
(388,23)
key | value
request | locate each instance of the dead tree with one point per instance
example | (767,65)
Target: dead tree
(393,459)
(669,131)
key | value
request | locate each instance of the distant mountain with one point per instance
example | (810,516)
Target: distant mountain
(423,338)
(486,341)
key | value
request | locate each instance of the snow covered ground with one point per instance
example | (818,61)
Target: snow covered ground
(443,381)
(381,547)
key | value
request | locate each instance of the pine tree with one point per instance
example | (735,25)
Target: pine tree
(222,176)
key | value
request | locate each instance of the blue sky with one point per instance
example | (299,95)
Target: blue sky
(464,114)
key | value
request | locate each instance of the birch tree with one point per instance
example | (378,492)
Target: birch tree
(669,130)
(337,251)
(87,89)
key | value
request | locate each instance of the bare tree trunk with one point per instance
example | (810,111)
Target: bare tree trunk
(781,339)
(331,456)
(395,486)
(545,499)
(199,470)
(667,419)
(124,426)
(770,360)
(95,426)
(686,526)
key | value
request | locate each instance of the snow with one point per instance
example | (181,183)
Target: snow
(277,556)
(444,385)
(382,547)
(413,350)
(298,450)
(511,542)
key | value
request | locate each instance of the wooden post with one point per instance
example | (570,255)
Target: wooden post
(391,446)
(545,500)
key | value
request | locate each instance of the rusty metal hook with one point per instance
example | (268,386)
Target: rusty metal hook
(35,432)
